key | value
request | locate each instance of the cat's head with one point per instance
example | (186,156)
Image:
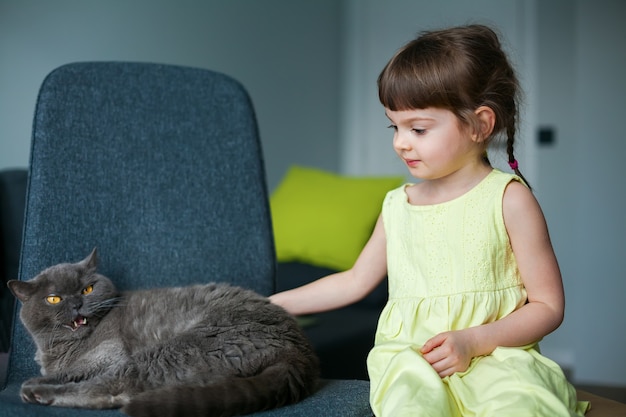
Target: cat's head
(68,300)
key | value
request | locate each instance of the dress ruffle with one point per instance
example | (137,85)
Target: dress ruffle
(520,383)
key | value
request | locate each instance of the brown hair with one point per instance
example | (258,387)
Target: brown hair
(459,69)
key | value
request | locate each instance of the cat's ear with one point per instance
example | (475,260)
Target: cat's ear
(91,261)
(22,290)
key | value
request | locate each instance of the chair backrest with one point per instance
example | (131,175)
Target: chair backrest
(160,167)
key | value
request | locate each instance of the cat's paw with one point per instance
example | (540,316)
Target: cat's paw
(37,393)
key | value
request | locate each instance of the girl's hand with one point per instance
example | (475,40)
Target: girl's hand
(449,352)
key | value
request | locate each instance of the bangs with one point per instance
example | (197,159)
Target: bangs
(419,76)
(401,87)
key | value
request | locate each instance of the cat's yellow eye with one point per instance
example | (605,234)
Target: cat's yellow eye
(88,289)
(53,299)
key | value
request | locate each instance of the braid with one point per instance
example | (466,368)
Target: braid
(510,132)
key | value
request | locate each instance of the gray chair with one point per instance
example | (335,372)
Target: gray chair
(161,168)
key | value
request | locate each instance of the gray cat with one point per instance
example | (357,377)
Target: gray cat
(203,350)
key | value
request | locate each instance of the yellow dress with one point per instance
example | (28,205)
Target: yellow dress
(450,267)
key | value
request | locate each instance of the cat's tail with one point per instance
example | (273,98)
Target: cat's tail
(277,385)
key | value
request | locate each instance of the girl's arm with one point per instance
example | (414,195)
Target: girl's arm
(343,288)
(452,351)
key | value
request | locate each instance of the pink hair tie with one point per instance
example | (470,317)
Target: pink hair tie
(514,165)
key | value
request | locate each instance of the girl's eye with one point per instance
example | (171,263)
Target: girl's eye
(53,299)
(392,127)
(88,289)
(420,131)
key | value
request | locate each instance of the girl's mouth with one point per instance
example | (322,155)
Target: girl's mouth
(412,162)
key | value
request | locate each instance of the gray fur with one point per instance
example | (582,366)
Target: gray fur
(210,350)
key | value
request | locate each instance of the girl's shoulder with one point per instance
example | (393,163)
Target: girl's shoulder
(517,198)
(498,184)
(502,179)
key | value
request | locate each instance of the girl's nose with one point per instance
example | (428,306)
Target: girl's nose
(400,141)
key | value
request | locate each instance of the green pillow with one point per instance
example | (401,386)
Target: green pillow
(325,219)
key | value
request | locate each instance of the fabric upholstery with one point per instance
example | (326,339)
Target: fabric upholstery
(161,168)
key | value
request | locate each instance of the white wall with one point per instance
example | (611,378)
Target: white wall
(285,52)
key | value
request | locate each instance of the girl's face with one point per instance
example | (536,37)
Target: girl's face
(432,142)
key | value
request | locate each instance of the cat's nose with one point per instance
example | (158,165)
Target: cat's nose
(76,305)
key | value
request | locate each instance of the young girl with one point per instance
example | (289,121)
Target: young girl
(473,280)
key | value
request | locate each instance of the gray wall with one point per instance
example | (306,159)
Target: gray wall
(595,255)
(581,56)
(285,52)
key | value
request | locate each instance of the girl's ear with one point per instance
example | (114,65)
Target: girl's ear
(486,121)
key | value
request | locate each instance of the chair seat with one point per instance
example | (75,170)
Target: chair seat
(335,398)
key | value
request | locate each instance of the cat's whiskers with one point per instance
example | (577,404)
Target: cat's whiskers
(54,334)
(101,308)
(47,336)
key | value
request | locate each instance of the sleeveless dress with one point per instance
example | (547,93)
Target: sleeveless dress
(451,267)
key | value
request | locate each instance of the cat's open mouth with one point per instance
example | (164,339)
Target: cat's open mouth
(78,322)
